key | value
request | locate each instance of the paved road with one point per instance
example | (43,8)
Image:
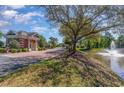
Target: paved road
(13,61)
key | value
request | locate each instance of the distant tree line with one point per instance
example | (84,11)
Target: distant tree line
(99,41)
(120,41)
(1,42)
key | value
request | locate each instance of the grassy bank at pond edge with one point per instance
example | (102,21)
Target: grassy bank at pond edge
(77,70)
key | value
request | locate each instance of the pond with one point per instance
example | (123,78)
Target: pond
(114,61)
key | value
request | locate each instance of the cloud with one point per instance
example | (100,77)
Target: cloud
(20,17)
(39,29)
(3,23)
(25,18)
(9,14)
(16,6)
(53,32)
(44,30)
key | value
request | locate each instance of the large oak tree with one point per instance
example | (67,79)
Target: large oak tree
(81,22)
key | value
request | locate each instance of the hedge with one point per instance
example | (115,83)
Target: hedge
(24,50)
(13,50)
(2,50)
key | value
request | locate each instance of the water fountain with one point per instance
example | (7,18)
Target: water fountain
(113,46)
(113,51)
(115,58)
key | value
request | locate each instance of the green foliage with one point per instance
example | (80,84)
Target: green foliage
(10,32)
(39,49)
(1,44)
(120,41)
(2,50)
(82,22)
(42,42)
(19,50)
(1,34)
(53,42)
(24,49)
(62,73)
(14,50)
(14,44)
(100,41)
(106,40)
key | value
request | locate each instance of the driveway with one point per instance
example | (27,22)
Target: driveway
(13,61)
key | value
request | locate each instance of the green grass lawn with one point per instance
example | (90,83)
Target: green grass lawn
(75,71)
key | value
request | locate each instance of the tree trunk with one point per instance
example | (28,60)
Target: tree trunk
(72,50)
(73,47)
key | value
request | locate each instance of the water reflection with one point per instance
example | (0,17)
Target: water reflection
(115,58)
(116,66)
(115,63)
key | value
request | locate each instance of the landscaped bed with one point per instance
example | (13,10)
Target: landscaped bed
(13,50)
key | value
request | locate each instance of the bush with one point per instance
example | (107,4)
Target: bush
(24,49)
(39,49)
(14,44)
(43,48)
(14,50)
(2,50)
(20,50)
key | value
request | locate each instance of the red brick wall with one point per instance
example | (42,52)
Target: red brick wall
(23,43)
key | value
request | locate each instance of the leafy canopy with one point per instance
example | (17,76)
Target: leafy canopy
(82,22)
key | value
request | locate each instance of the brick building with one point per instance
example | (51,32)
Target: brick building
(26,39)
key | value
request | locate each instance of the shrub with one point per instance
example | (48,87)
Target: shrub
(14,44)
(2,50)
(39,49)
(14,50)
(20,50)
(24,49)
(43,48)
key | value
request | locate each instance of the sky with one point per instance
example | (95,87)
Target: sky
(27,18)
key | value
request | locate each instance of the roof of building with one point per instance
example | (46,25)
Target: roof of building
(23,33)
